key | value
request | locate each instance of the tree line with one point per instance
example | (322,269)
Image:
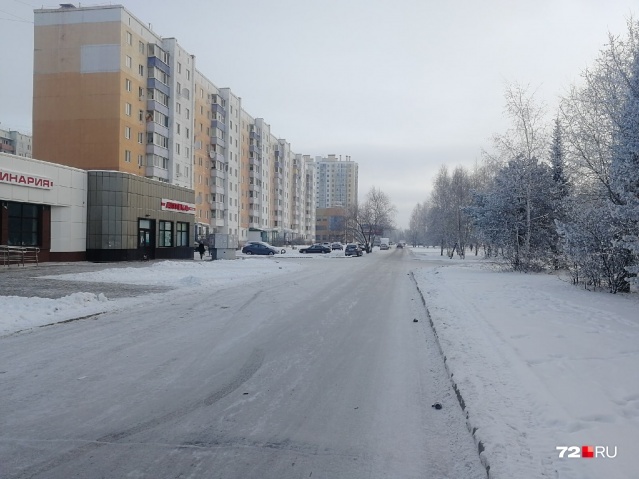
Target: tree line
(559,194)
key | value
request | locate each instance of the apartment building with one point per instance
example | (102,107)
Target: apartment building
(111,94)
(15,143)
(336,182)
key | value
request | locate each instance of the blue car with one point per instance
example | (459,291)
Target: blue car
(258,247)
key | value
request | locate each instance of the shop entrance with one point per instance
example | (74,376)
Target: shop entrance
(146,239)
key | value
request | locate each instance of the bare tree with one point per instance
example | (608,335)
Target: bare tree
(372,217)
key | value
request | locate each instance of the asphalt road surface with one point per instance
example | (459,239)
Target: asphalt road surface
(320,374)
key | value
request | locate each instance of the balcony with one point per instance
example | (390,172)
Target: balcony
(254,135)
(216,140)
(218,124)
(159,64)
(255,188)
(218,173)
(217,108)
(218,189)
(217,205)
(152,105)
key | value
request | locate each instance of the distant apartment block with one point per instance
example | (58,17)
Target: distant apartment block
(336,182)
(110,94)
(15,143)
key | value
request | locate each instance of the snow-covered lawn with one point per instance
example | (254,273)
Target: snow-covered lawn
(540,364)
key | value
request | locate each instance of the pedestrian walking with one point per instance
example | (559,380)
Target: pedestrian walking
(200,249)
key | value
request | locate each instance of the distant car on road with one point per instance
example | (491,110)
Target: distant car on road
(335,246)
(352,250)
(400,245)
(316,248)
(259,247)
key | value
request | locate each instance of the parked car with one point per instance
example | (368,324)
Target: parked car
(316,248)
(352,249)
(335,246)
(259,247)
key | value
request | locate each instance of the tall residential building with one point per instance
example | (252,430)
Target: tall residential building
(15,143)
(110,94)
(336,182)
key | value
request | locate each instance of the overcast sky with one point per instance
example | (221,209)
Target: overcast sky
(401,86)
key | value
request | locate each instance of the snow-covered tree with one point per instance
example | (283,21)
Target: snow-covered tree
(624,170)
(515,215)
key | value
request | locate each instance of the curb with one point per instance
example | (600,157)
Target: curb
(469,423)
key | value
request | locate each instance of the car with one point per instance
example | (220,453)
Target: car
(384,246)
(399,245)
(352,249)
(259,247)
(316,248)
(335,246)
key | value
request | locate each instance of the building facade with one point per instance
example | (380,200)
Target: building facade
(15,143)
(43,205)
(110,94)
(336,182)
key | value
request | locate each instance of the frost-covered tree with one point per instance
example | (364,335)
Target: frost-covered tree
(515,215)
(601,117)
(624,170)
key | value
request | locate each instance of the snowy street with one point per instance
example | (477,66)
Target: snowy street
(282,367)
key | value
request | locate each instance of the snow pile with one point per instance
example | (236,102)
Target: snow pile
(19,313)
(539,364)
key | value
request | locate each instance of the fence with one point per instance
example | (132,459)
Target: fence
(19,255)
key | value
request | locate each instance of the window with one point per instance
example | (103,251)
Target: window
(188,74)
(141,47)
(188,113)
(141,115)
(24,224)
(127,84)
(166,233)
(127,109)
(141,93)
(188,133)
(178,89)
(141,138)
(127,156)
(141,70)
(177,126)
(129,38)
(178,108)
(179,66)
(182,234)
(127,132)
(127,61)
(140,159)
(177,150)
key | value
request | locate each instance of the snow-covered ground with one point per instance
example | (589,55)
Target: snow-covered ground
(539,363)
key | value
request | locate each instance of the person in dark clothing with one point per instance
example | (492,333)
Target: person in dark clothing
(200,249)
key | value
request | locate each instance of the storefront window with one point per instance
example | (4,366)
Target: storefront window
(24,224)
(166,233)
(182,234)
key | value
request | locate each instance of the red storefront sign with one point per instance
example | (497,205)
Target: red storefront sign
(178,206)
(25,179)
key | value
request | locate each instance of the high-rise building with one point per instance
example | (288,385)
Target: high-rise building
(336,182)
(111,94)
(15,143)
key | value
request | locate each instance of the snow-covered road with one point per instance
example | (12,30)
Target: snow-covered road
(315,371)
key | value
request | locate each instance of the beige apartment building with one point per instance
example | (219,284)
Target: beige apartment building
(110,94)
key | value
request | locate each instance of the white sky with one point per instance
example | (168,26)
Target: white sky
(402,87)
